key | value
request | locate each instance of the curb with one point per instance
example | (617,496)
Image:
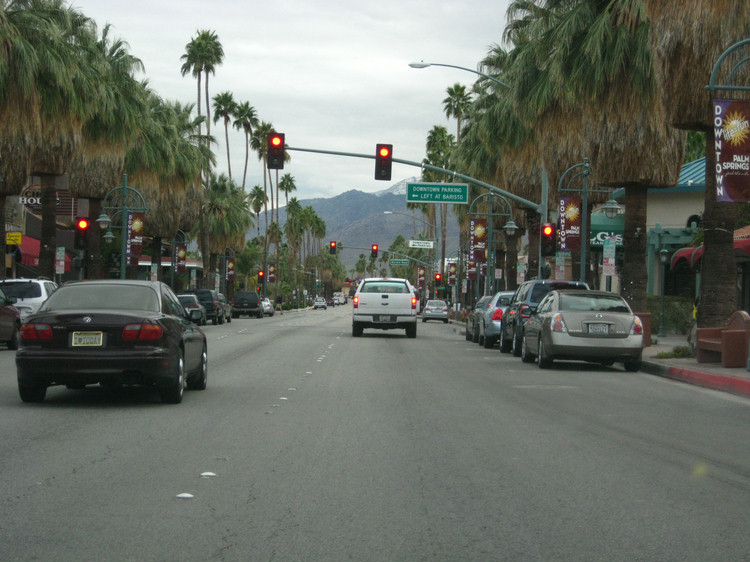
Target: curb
(726,383)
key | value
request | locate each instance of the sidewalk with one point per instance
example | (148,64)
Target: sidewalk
(735,380)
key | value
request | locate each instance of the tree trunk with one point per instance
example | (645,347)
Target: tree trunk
(634,267)
(94,268)
(156,257)
(718,266)
(48,242)
(533,224)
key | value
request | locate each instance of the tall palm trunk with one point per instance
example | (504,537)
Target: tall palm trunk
(48,243)
(634,248)
(718,267)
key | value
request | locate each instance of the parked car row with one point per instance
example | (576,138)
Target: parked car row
(547,320)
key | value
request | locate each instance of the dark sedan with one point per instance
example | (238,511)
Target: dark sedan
(113,333)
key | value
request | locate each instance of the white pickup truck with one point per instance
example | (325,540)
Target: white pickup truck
(385,304)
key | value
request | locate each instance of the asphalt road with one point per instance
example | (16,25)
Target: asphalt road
(323,447)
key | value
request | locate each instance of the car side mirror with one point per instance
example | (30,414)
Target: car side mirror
(195,315)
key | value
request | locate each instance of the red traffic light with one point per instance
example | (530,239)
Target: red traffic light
(385,150)
(82,224)
(547,230)
(275,140)
(374,251)
(261,273)
(438,277)
(332,247)
(275,149)
(383,161)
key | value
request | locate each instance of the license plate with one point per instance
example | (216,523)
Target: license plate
(598,328)
(383,318)
(87,339)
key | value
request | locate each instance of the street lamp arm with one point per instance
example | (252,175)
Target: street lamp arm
(423,64)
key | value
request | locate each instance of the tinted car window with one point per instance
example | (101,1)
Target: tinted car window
(91,296)
(22,290)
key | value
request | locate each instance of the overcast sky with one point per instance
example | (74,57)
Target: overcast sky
(331,75)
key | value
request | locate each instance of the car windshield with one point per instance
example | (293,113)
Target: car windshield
(92,296)
(596,303)
(22,290)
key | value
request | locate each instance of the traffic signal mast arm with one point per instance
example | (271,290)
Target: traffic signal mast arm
(541,208)
(420,262)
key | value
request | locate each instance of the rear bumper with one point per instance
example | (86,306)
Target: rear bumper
(150,367)
(563,346)
(378,321)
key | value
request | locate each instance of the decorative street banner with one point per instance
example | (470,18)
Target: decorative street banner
(471,271)
(452,274)
(478,240)
(420,277)
(134,241)
(271,273)
(732,144)
(180,262)
(569,225)
(230,270)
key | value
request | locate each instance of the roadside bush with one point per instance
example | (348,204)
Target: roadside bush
(678,314)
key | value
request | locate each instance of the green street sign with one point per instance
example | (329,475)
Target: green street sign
(437,193)
(399,262)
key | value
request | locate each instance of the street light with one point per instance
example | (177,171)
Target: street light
(121,200)
(664,259)
(422,64)
(510,230)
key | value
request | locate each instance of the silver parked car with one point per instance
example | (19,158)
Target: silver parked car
(595,326)
(267,307)
(491,322)
(435,310)
(474,319)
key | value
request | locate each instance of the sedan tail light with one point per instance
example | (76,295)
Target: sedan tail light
(637,328)
(558,324)
(142,332)
(36,332)
(498,314)
(525,311)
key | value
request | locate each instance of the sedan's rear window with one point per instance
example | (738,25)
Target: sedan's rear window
(598,303)
(86,296)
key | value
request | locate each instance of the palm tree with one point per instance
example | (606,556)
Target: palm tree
(440,146)
(258,144)
(258,200)
(49,66)
(686,49)
(245,120)
(225,108)
(287,185)
(202,55)
(457,105)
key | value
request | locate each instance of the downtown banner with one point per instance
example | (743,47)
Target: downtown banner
(732,145)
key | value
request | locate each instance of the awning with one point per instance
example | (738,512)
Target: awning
(693,255)
(29,248)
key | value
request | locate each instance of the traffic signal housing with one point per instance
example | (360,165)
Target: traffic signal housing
(549,239)
(374,251)
(383,161)
(275,153)
(83,225)
(332,247)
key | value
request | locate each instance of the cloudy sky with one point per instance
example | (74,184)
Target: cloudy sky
(331,75)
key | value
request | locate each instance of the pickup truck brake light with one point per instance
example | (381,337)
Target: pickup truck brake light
(413,303)
(356,302)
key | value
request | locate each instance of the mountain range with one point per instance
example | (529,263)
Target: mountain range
(356,220)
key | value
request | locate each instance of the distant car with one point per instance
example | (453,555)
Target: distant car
(191,301)
(331,302)
(435,310)
(210,299)
(491,322)
(114,333)
(320,302)
(527,297)
(248,303)
(29,293)
(267,307)
(595,326)
(226,306)
(475,317)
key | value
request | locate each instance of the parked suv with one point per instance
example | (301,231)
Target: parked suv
(247,302)
(29,293)
(525,300)
(210,299)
